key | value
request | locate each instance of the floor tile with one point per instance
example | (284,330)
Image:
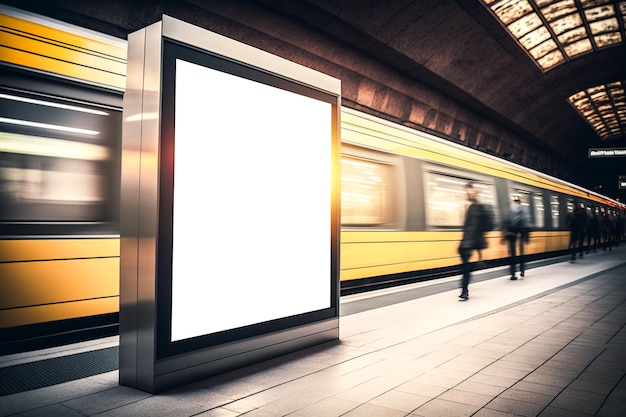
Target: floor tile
(369,410)
(328,407)
(527,396)
(443,408)
(520,408)
(554,351)
(465,397)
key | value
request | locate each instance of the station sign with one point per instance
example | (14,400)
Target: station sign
(606,152)
(622,182)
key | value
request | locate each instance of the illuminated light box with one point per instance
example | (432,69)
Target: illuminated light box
(229,221)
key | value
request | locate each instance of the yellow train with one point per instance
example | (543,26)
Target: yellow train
(61,90)
(403,203)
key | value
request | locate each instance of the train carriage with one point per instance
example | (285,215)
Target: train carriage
(61,91)
(403,203)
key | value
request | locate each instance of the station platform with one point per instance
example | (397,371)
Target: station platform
(551,344)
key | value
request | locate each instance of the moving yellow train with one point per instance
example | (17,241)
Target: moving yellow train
(61,90)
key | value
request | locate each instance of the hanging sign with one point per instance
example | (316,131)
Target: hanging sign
(606,152)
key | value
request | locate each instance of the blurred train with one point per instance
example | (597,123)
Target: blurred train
(61,91)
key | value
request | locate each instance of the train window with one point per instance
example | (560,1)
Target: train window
(367,192)
(538,210)
(446,202)
(56,159)
(554,211)
(524,198)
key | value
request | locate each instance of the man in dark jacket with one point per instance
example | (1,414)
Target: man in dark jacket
(577,223)
(516,229)
(478,220)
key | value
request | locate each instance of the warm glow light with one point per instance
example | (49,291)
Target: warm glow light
(52,104)
(48,126)
(56,148)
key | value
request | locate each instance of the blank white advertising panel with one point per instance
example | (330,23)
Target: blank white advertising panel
(251,204)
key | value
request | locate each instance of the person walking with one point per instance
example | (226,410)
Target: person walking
(607,227)
(577,222)
(478,220)
(517,229)
(593,232)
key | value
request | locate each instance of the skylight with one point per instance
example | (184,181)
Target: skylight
(604,107)
(553,32)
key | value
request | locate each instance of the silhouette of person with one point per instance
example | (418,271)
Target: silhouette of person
(517,229)
(593,232)
(478,220)
(577,224)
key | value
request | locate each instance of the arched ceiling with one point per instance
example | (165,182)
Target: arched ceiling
(462,49)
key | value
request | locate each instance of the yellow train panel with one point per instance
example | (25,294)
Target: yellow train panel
(377,134)
(53,50)
(59,67)
(52,35)
(54,312)
(47,282)
(63,52)
(368,254)
(47,249)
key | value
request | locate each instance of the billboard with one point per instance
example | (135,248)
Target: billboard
(247,198)
(230,208)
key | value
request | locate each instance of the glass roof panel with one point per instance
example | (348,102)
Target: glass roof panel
(599,13)
(592,3)
(559,9)
(566,23)
(543,49)
(550,60)
(607,39)
(573,35)
(604,108)
(534,38)
(606,25)
(579,47)
(524,25)
(553,32)
(576,26)
(510,10)
(544,3)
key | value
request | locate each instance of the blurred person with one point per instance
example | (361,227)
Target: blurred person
(517,229)
(619,230)
(608,227)
(577,221)
(478,221)
(593,232)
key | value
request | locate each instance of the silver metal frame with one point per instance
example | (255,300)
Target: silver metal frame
(139,366)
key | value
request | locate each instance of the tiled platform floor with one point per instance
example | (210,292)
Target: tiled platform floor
(552,344)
